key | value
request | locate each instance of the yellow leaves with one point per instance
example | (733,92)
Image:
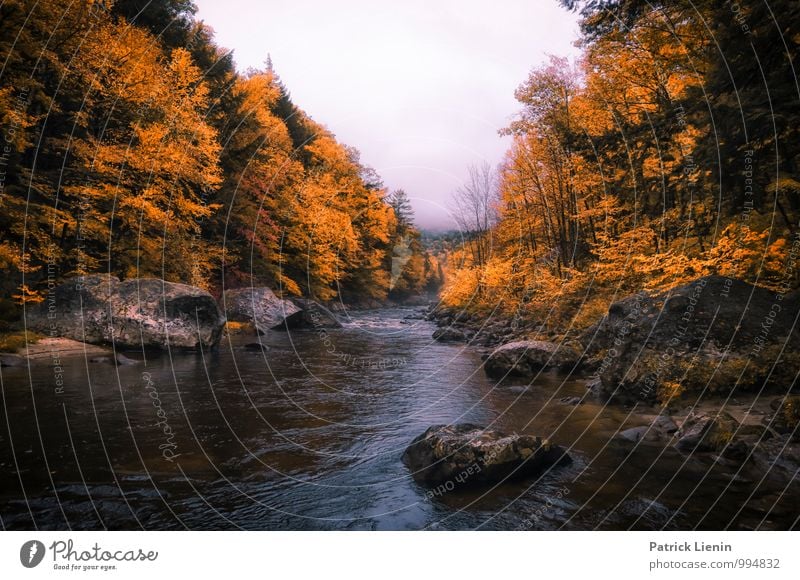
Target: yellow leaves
(776,258)
(593,119)
(149,213)
(185,80)
(259,94)
(156,156)
(172,153)
(636,74)
(14,116)
(329,155)
(744,253)
(736,251)
(323,240)
(629,259)
(10,256)
(132,156)
(461,287)
(498,278)
(306,216)
(652,168)
(288,285)
(119,60)
(376,220)
(26,295)
(784,185)
(665,270)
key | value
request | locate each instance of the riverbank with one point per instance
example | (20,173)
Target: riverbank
(740,429)
(38,351)
(715,361)
(713,336)
(341,414)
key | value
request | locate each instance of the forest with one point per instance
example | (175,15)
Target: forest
(668,151)
(132,146)
(216,315)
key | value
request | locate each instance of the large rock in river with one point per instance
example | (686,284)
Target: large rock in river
(258,305)
(712,335)
(135,313)
(525,358)
(706,432)
(466,455)
(310,315)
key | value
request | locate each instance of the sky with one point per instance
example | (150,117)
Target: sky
(421,88)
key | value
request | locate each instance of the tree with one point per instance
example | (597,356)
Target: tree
(636,168)
(474,207)
(170,21)
(139,150)
(403,211)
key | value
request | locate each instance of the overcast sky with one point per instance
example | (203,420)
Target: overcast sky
(419,87)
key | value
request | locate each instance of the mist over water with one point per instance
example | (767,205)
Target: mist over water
(420,89)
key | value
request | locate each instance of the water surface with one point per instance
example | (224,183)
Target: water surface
(308,434)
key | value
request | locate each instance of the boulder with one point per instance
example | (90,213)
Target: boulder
(776,459)
(525,358)
(414,316)
(258,306)
(665,424)
(135,313)
(51,347)
(637,434)
(706,432)
(310,315)
(469,455)
(449,334)
(709,336)
(737,451)
(662,427)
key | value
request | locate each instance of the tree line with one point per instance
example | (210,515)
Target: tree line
(669,150)
(131,145)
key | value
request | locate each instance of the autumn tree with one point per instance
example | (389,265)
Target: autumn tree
(637,167)
(139,150)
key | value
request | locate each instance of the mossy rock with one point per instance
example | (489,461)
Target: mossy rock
(16,341)
(711,432)
(787,417)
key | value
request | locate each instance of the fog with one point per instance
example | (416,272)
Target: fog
(420,88)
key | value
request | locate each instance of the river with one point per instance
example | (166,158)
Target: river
(308,434)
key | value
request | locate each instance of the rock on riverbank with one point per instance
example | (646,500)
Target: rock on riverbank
(258,306)
(710,336)
(135,313)
(525,358)
(475,328)
(310,315)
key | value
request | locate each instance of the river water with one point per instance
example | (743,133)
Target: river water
(308,434)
